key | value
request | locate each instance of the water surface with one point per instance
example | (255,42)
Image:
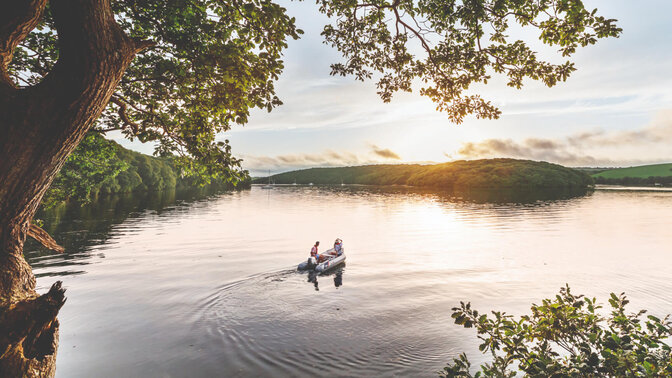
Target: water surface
(187,285)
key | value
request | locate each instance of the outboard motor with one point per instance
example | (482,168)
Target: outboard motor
(311,263)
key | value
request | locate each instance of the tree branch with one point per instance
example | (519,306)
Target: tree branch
(141,44)
(122,113)
(17,19)
(44,238)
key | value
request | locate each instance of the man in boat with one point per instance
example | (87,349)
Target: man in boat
(313,251)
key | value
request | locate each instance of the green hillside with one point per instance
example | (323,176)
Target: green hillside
(486,173)
(645,175)
(644,171)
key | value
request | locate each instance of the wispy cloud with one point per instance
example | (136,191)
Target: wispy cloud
(385,153)
(327,158)
(569,150)
(535,149)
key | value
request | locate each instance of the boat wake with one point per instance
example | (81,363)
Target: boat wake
(269,324)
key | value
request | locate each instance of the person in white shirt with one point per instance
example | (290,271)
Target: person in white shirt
(338,247)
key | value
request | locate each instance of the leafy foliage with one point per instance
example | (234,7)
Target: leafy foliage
(486,173)
(212,61)
(472,43)
(94,161)
(99,166)
(567,336)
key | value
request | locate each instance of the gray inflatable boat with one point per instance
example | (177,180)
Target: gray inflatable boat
(331,262)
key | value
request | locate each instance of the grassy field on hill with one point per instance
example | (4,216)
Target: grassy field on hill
(486,173)
(645,175)
(645,171)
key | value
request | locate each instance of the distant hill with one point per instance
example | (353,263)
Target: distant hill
(472,174)
(642,175)
(643,171)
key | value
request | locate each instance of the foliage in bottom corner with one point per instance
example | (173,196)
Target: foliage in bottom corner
(567,336)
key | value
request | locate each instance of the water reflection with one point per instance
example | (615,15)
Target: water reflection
(517,196)
(478,195)
(336,273)
(78,228)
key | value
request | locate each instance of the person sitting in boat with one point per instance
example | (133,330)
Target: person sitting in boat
(313,251)
(338,247)
(336,251)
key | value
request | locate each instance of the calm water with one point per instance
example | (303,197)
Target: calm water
(198,286)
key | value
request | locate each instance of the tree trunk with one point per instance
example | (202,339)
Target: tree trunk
(39,127)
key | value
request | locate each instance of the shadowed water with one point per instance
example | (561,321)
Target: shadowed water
(195,285)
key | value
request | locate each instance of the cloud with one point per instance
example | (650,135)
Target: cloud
(659,131)
(534,149)
(385,153)
(327,158)
(569,150)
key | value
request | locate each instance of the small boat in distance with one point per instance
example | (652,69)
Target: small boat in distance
(269,185)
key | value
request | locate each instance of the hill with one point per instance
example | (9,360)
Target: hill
(644,171)
(645,175)
(472,174)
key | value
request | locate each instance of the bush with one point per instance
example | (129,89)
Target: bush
(567,336)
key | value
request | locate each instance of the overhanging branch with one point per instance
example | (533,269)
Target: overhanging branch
(122,114)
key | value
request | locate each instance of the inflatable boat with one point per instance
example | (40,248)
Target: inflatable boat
(331,262)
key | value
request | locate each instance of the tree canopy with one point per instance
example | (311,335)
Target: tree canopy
(100,166)
(211,61)
(94,161)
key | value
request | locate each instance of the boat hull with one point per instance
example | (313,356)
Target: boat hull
(330,264)
(311,264)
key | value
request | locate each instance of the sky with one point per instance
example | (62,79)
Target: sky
(615,110)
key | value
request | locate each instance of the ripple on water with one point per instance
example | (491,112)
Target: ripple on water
(274,323)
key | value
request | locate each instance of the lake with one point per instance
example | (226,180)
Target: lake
(202,285)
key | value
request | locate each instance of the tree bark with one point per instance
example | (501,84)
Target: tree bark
(39,127)
(44,238)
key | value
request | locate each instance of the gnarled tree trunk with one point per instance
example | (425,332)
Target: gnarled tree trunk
(39,127)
